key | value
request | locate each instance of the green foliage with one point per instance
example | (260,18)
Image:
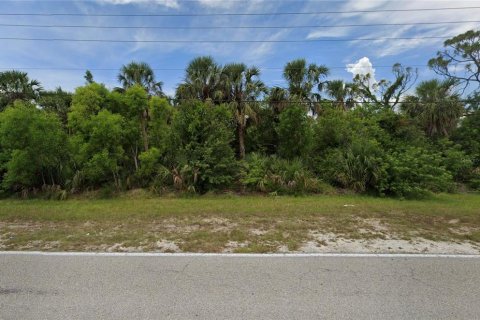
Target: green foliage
(334,129)
(97,148)
(202,81)
(33,148)
(149,164)
(460,59)
(415,172)
(468,136)
(140,74)
(273,175)
(57,102)
(88,77)
(435,107)
(293,138)
(459,164)
(16,85)
(86,102)
(262,137)
(161,115)
(360,166)
(200,147)
(294,132)
(303,79)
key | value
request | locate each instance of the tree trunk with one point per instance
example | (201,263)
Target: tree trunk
(143,123)
(241,141)
(135,156)
(43,178)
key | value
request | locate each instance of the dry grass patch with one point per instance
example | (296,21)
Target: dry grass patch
(232,224)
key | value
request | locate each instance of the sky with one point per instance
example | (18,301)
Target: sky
(64,63)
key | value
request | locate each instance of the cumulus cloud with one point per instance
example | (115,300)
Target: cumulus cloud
(166,3)
(362,67)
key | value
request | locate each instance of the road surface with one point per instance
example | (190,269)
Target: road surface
(34,286)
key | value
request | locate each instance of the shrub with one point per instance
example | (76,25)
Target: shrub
(33,148)
(459,164)
(294,132)
(280,176)
(200,151)
(359,166)
(415,172)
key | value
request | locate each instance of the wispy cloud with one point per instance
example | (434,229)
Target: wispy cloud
(328,33)
(263,54)
(166,3)
(382,48)
(218,3)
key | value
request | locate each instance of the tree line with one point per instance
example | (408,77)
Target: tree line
(226,130)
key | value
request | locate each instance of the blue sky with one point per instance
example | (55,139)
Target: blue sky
(58,55)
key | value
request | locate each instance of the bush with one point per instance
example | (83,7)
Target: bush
(415,172)
(200,152)
(33,147)
(359,166)
(294,132)
(271,174)
(459,164)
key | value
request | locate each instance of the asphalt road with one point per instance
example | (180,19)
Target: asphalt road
(215,287)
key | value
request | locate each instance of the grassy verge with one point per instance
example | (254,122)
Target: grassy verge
(238,224)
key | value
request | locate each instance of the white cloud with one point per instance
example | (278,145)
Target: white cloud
(166,3)
(362,67)
(382,48)
(217,3)
(328,33)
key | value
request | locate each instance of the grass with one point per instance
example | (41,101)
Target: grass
(233,223)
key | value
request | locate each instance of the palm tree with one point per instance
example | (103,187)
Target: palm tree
(303,79)
(203,81)
(15,85)
(436,106)
(277,99)
(241,88)
(342,93)
(140,73)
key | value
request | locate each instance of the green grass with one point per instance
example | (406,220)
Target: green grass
(209,224)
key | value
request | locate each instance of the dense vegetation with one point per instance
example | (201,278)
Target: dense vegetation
(225,130)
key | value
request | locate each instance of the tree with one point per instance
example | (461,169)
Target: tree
(136,99)
(86,102)
(88,77)
(386,93)
(142,76)
(277,99)
(468,136)
(343,94)
(200,151)
(294,132)
(241,89)
(203,81)
(57,101)
(435,106)
(97,137)
(140,73)
(161,117)
(460,59)
(97,148)
(33,147)
(303,79)
(16,85)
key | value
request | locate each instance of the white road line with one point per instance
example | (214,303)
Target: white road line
(239,255)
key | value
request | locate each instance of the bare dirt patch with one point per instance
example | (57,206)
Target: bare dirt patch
(331,243)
